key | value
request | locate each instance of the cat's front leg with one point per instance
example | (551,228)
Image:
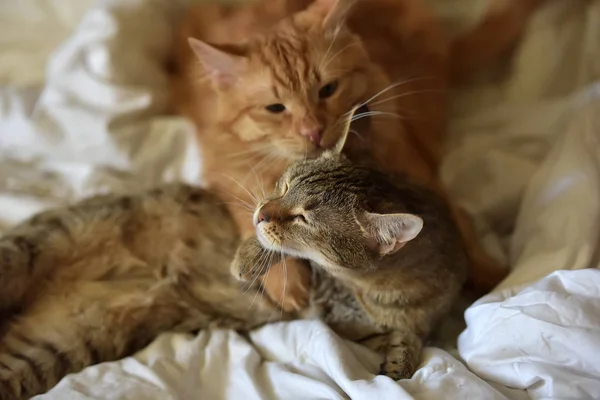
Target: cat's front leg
(252,260)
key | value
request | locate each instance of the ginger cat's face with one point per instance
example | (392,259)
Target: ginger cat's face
(289,89)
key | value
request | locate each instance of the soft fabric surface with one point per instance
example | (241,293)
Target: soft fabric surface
(524,157)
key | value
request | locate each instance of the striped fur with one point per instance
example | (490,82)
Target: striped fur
(101,279)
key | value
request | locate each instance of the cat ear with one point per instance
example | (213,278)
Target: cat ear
(338,147)
(388,233)
(335,12)
(224,68)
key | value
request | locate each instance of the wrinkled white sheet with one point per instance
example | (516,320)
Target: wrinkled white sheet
(523,157)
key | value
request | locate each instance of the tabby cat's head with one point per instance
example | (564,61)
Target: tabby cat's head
(321,210)
(290,87)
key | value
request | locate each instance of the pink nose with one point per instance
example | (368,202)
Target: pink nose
(314,134)
(263,216)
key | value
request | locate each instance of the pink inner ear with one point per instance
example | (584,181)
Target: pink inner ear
(390,232)
(222,67)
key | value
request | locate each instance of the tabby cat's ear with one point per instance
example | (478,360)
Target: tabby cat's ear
(223,68)
(335,12)
(388,233)
(338,147)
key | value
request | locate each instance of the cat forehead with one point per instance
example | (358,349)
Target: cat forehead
(290,63)
(297,62)
(330,180)
(321,166)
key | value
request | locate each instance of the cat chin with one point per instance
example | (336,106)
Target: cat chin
(312,256)
(265,242)
(288,251)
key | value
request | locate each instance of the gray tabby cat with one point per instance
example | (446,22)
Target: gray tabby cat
(387,256)
(99,280)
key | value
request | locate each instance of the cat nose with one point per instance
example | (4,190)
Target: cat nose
(263,216)
(313,134)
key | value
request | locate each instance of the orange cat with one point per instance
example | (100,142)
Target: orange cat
(274,84)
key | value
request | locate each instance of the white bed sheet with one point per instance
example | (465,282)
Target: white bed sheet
(523,157)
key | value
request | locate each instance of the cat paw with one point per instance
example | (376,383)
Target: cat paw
(244,266)
(237,269)
(396,370)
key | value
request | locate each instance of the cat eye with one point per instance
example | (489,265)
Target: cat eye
(275,108)
(328,90)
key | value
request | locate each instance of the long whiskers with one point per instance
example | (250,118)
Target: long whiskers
(252,195)
(237,204)
(255,261)
(375,113)
(260,182)
(398,96)
(261,264)
(371,113)
(390,87)
(264,267)
(239,200)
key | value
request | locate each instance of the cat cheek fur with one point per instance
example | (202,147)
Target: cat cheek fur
(280,130)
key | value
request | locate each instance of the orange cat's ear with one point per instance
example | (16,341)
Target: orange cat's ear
(388,233)
(335,13)
(223,67)
(338,147)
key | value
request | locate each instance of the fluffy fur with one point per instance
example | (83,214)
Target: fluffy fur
(399,67)
(388,257)
(99,280)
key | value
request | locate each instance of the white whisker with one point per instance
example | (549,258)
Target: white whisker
(375,113)
(254,262)
(257,268)
(244,206)
(239,199)
(390,87)
(398,96)
(242,186)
